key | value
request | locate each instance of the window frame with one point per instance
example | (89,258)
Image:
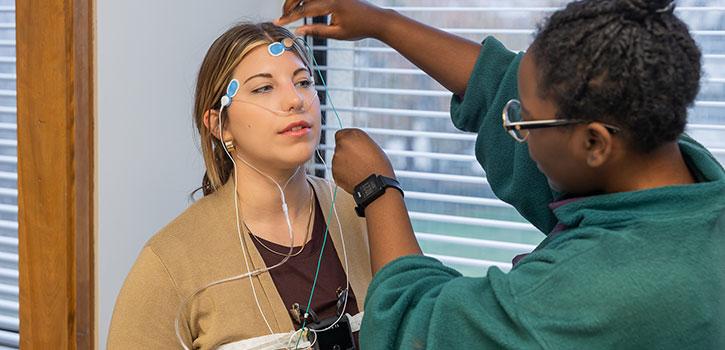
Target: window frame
(55,51)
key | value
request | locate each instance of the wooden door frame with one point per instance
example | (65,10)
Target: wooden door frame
(55,84)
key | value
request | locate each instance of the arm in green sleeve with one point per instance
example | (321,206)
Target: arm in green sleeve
(513,176)
(417,303)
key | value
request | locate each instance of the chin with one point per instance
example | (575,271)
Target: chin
(554,186)
(298,158)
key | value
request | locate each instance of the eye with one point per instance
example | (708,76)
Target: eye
(306,83)
(263,89)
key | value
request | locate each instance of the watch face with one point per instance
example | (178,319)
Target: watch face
(367,189)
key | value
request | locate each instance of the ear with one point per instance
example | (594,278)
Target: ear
(211,121)
(598,145)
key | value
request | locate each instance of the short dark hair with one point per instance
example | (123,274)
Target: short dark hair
(632,63)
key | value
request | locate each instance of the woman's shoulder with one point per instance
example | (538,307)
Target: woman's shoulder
(195,246)
(193,228)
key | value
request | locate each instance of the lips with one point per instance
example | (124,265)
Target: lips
(296,127)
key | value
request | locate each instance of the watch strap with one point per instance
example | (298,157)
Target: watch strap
(386,182)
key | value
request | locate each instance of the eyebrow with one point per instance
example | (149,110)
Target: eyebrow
(268,75)
(260,75)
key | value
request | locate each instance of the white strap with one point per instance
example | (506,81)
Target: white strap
(355,321)
(267,342)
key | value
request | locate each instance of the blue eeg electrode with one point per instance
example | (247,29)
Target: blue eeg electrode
(232,89)
(279,47)
(276,49)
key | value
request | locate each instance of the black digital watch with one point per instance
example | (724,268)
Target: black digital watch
(371,189)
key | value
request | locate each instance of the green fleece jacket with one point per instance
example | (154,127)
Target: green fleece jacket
(634,270)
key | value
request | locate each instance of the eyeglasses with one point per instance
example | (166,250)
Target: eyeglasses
(518,129)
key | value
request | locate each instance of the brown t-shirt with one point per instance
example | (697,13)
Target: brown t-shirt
(294,279)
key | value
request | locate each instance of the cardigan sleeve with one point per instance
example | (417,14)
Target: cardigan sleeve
(146,308)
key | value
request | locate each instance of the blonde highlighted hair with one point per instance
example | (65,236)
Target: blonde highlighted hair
(223,56)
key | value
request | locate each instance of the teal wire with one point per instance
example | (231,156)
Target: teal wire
(334,196)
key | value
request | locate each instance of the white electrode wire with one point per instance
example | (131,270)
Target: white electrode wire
(249,273)
(183,304)
(289,228)
(285,209)
(301,331)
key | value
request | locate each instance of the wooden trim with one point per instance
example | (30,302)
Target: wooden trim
(55,173)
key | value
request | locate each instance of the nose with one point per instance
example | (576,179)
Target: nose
(294,100)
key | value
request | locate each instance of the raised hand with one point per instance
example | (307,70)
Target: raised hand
(349,19)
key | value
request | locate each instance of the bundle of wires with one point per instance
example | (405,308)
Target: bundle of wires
(304,330)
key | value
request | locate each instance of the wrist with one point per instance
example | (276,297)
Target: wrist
(386,204)
(372,189)
(387,19)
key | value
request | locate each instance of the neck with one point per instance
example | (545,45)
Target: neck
(260,197)
(664,166)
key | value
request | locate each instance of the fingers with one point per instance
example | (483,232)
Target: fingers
(311,8)
(319,30)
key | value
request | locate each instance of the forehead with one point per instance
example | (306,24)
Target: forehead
(527,78)
(260,61)
(535,106)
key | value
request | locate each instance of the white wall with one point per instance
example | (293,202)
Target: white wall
(148,53)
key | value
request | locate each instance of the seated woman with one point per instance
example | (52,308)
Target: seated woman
(204,280)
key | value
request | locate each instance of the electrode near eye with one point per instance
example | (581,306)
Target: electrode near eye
(306,93)
(232,89)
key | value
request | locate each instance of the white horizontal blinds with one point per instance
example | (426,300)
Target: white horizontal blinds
(456,216)
(9,338)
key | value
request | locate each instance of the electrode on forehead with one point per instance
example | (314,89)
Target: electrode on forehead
(279,47)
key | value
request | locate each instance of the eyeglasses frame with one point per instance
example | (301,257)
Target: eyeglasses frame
(511,127)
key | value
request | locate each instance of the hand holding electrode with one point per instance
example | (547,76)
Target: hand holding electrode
(356,157)
(349,19)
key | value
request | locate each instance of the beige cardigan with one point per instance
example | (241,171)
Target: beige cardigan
(202,246)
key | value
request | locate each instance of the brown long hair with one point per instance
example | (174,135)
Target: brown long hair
(215,72)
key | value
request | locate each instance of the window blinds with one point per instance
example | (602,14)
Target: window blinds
(9,322)
(456,217)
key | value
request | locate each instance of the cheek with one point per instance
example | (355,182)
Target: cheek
(247,129)
(537,150)
(317,122)
(552,161)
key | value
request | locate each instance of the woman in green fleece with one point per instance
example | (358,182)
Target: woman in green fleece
(592,152)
